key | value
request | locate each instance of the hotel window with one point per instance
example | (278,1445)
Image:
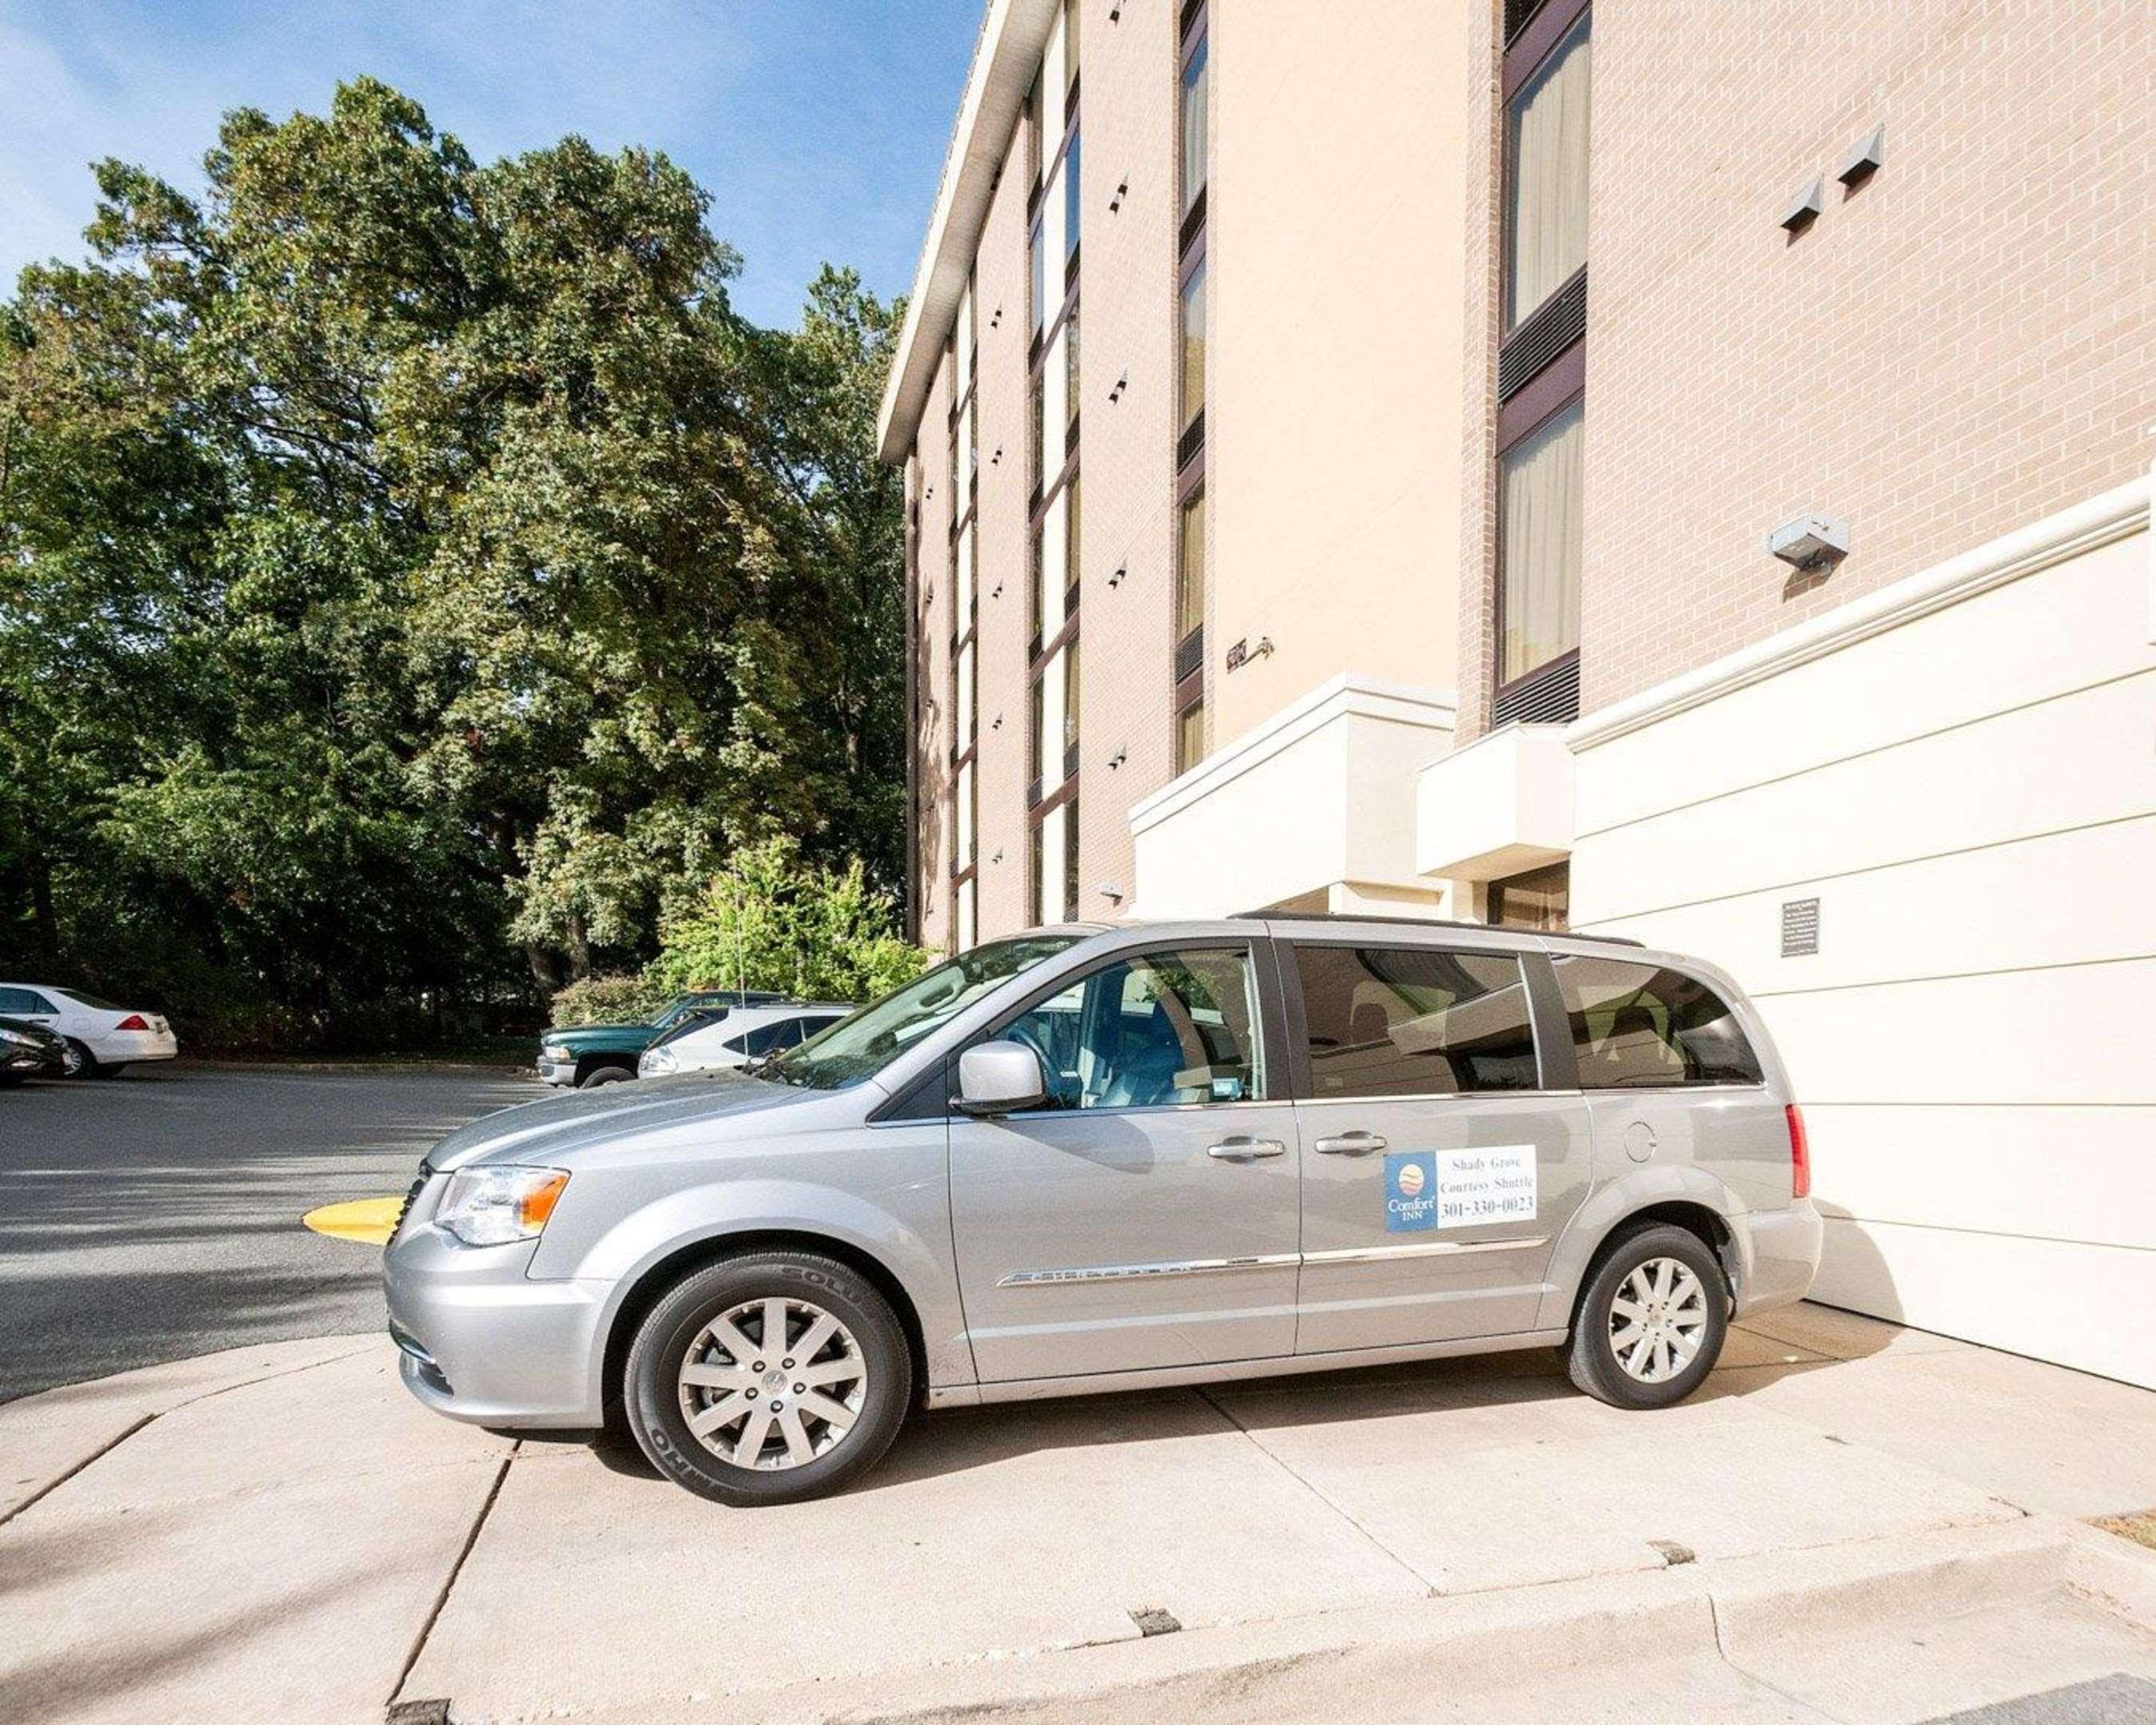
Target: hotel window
(1546,178)
(1541,899)
(1541,365)
(1053,398)
(1187,645)
(1539,544)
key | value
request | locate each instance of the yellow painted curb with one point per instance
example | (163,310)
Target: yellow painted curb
(369,1220)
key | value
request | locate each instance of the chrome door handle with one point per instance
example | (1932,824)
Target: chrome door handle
(1349,1144)
(1245,1149)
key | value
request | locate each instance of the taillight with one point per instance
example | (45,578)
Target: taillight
(133,1021)
(1800,1157)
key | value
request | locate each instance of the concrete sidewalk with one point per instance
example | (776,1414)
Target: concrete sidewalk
(1853,1523)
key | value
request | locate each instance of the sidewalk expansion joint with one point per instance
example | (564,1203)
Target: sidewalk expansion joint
(151,1418)
(1420,1580)
(449,1581)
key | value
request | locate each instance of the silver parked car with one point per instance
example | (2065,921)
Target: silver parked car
(1102,1159)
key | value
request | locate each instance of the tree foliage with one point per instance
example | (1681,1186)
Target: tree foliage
(769,921)
(412,569)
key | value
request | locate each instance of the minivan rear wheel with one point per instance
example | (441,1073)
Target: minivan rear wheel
(1652,1320)
(769,1377)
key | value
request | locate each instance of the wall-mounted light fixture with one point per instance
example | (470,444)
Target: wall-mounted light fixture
(1117,579)
(1108,889)
(1115,201)
(1808,541)
(1118,758)
(1116,390)
(1864,158)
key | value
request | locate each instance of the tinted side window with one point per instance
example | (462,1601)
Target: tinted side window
(756,1044)
(1633,1024)
(1154,1031)
(1415,1021)
(17,1000)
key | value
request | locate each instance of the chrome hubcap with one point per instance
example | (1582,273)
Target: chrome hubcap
(1658,1320)
(772,1383)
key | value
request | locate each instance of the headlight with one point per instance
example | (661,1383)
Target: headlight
(553,1050)
(493,1206)
(658,1060)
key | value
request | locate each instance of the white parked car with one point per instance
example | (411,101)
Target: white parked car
(100,1038)
(747,1034)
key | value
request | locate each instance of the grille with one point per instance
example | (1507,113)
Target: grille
(1517,14)
(1559,322)
(1190,653)
(1194,219)
(1192,442)
(1548,697)
(411,1196)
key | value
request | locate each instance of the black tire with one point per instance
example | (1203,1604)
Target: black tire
(1591,1356)
(81,1062)
(605,1074)
(652,1397)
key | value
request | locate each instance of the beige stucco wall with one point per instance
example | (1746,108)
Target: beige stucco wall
(1333,422)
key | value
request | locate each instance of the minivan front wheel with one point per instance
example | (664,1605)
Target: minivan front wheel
(1652,1320)
(769,1377)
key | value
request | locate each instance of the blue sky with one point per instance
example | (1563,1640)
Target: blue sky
(817,126)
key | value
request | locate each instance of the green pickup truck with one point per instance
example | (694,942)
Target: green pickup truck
(580,1056)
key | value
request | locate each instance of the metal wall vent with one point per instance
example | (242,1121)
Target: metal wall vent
(1559,322)
(1517,14)
(1190,653)
(1191,442)
(1548,697)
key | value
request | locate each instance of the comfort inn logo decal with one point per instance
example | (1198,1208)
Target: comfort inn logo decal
(1410,1192)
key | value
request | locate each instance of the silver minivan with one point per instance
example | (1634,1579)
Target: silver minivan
(1092,1159)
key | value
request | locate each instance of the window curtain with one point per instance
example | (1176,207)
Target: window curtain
(1194,128)
(1547,172)
(1541,529)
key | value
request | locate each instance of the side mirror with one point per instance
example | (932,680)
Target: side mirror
(999,1078)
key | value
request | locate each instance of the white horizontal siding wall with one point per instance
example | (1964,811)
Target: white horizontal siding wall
(1967,783)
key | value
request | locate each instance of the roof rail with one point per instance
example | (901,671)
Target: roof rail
(1405,921)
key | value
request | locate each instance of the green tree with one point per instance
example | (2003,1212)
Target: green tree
(406,561)
(769,920)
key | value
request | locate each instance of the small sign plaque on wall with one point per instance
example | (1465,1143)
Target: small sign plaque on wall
(1800,927)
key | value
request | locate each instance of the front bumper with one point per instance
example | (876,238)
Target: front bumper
(1781,1250)
(483,1342)
(30,1062)
(557,1072)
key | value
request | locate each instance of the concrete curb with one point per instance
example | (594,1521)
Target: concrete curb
(1363,1660)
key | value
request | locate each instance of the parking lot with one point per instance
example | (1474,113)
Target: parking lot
(1852,1523)
(157,1215)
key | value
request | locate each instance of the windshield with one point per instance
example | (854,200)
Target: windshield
(860,1046)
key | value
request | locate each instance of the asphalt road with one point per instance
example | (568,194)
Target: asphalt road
(157,1215)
